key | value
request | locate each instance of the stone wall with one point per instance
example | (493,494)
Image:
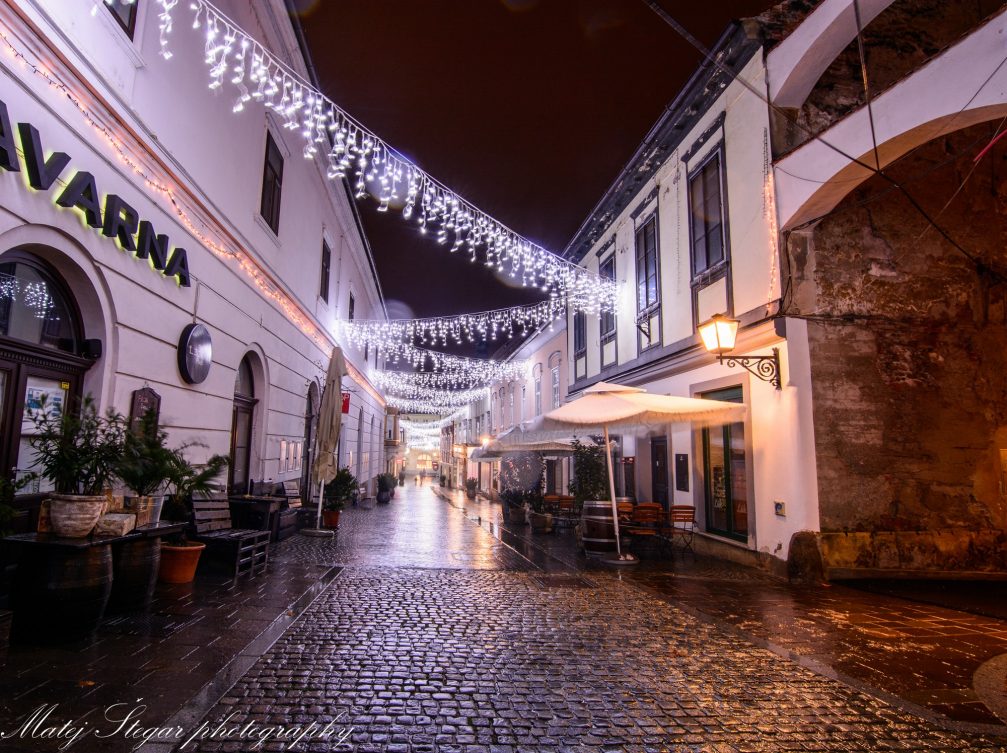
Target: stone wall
(909,361)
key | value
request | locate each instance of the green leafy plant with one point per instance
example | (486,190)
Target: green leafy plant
(340,490)
(590,479)
(146,461)
(512,497)
(185,479)
(534,497)
(77,450)
(386,482)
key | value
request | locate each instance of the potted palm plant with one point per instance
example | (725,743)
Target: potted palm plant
(337,493)
(471,485)
(179,556)
(78,451)
(145,465)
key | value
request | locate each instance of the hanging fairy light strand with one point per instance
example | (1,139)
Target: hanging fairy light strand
(437,424)
(237,61)
(387,379)
(407,405)
(471,370)
(439,398)
(484,326)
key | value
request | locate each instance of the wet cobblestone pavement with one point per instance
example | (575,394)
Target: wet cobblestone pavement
(438,637)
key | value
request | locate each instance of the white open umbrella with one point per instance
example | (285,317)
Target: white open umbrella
(604,406)
(330,414)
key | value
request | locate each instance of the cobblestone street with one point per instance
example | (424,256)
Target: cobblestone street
(438,637)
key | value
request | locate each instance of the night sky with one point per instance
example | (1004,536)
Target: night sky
(527,108)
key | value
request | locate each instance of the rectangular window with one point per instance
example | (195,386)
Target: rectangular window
(647,292)
(538,396)
(323,287)
(725,477)
(607,272)
(579,333)
(272,183)
(124,13)
(555,387)
(707,216)
(524,394)
(349,313)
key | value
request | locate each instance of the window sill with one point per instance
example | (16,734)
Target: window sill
(261,221)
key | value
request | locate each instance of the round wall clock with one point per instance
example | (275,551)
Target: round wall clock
(195,353)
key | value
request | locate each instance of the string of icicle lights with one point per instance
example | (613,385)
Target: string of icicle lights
(237,62)
(410,405)
(438,423)
(452,369)
(484,326)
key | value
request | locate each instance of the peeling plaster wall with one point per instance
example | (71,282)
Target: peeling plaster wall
(909,361)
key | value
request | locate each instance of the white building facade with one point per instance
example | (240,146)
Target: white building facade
(688,229)
(137,204)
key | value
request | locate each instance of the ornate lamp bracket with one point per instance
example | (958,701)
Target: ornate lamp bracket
(766,368)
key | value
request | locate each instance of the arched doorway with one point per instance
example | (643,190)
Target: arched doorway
(41,340)
(241,427)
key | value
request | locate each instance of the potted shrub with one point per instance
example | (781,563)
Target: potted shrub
(78,452)
(386,482)
(179,556)
(539,520)
(145,465)
(513,505)
(471,485)
(337,493)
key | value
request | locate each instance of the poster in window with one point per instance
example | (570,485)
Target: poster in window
(41,393)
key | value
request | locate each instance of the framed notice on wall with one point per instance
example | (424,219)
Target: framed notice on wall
(682,472)
(144,400)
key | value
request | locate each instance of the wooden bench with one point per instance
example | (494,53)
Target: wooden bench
(244,550)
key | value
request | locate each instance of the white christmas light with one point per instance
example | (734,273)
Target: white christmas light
(471,371)
(483,326)
(235,59)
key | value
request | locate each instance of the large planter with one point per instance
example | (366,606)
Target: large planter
(470,494)
(384,497)
(73,516)
(517,514)
(540,522)
(330,518)
(178,563)
(598,528)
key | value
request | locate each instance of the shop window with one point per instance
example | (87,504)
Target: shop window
(124,13)
(323,288)
(725,473)
(607,320)
(707,216)
(648,286)
(272,185)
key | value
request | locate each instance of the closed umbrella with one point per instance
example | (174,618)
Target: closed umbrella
(604,406)
(330,415)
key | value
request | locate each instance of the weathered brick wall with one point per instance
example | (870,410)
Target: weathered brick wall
(909,355)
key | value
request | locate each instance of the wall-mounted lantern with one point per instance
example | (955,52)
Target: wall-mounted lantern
(719,336)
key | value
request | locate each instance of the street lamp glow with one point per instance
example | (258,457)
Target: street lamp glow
(719,334)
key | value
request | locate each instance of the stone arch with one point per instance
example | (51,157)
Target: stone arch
(949,93)
(795,64)
(94,300)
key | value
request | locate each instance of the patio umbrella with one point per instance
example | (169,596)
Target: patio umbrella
(604,406)
(330,415)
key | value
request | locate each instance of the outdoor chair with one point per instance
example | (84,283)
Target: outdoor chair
(645,523)
(681,524)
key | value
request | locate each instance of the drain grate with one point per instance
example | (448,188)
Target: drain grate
(150,625)
(561,580)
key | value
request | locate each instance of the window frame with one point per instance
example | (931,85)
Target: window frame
(271,196)
(326,272)
(722,269)
(607,318)
(127,25)
(651,309)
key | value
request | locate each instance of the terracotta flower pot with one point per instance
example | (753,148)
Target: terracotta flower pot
(73,516)
(330,518)
(178,563)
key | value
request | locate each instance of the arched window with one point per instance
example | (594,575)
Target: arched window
(35,306)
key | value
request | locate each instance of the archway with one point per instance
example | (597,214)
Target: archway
(248,388)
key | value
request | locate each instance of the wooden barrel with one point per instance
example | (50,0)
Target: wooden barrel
(134,574)
(598,528)
(59,594)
